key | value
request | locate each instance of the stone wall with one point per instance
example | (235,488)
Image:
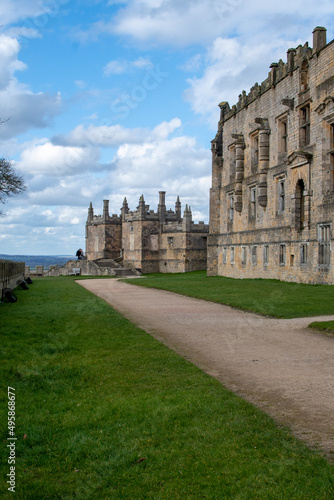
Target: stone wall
(272,195)
(11,274)
(163,241)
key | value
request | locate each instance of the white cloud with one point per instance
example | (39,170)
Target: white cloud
(153,164)
(24,108)
(200,21)
(118,67)
(102,136)
(165,129)
(9,49)
(115,135)
(56,160)
(173,22)
(12,11)
(233,65)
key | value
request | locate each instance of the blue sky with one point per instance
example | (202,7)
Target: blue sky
(119,98)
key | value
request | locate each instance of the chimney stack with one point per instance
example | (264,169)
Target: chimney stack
(319,38)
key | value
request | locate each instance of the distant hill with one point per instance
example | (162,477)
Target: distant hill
(42,260)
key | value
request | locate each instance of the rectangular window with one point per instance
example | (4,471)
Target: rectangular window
(305,125)
(303,254)
(170,240)
(282,252)
(224,255)
(254,255)
(232,163)
(324,245)
(266,255)
(255,152)
(283,135)
(232,255)
(231,206)
(252,205)
(281,195)
(243,256)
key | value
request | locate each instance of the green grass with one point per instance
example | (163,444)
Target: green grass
(323,326)
(269,297)
(109,412)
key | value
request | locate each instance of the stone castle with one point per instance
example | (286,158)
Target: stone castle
(272,195)
(148,241)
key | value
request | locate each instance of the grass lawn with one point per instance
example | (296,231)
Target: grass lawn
(269,297)
(324,326)
(105,411)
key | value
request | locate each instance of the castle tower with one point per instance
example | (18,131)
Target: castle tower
(103,234)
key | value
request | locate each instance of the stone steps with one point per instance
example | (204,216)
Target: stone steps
(124,272)
(107,263)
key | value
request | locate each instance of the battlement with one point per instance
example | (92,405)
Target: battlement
(105,218)
(99,219)
(146,239)
(296,58)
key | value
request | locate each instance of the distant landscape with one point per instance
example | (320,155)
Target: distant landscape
(36,260)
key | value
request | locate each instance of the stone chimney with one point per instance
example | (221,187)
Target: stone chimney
(90,212)
(162,207)
(105,209)
(291,60)
(319,38)
(178,209)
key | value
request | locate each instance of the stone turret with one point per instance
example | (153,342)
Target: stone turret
(142,208)
(90,213)
(178,209)
(187,219)
(124,209)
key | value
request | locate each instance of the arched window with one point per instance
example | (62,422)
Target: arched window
(300,204)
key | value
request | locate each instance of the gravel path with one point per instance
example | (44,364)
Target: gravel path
(278,365)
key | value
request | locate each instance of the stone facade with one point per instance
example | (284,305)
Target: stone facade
(153,242)
(272,195)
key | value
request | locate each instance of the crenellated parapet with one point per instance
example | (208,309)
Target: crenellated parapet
(296,57)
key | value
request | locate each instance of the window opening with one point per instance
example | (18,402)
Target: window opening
(324,248)
(305,126)
(282,255)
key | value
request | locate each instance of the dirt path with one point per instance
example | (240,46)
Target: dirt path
(278,365)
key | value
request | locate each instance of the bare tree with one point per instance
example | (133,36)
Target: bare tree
(10,182)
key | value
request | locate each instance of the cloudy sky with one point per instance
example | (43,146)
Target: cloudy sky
(107,99)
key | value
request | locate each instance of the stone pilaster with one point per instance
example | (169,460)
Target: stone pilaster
(263,167)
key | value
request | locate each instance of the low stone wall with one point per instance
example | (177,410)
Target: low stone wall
(37,271)
(90,268)
(87,268)
(11,274)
